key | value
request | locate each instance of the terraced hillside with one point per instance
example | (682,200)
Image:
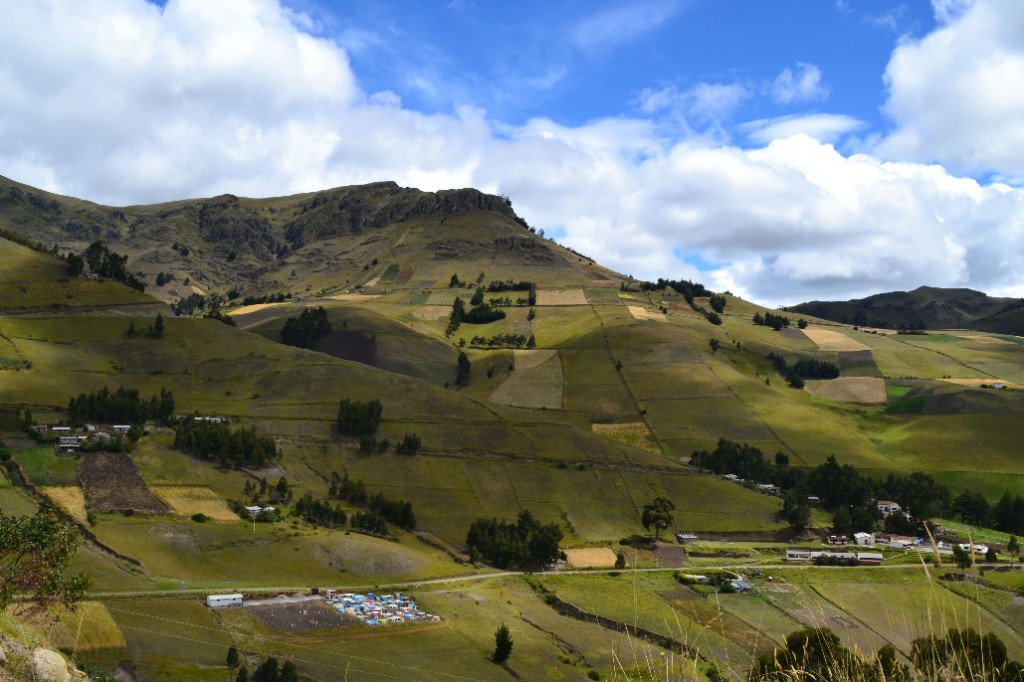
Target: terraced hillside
(580,406)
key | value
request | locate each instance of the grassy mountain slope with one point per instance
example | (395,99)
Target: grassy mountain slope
(597,419)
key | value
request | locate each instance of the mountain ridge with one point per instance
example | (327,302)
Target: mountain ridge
(925,307)
(278,244)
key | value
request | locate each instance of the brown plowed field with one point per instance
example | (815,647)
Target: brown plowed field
(112,483)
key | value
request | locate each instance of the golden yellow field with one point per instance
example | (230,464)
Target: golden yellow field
(636,434)
(976,383)
(70,498)
(246,309)
(194,499)
(829,340)
(89,626)
(561,297)
(990,339)
(864,390)
(353,297)
(592,557)
(641,313)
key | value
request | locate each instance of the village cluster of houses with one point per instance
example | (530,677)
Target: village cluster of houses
(798,555)
(904,542)
(69,439)
(374,609)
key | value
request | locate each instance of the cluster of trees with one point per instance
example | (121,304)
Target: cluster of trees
(803,368)
(526,543)
(511,285)
(370,522)
(344,488)
(841,488)
(122,406)
(483,314)
(772,320)
(306,330)
(320,512)
(266,298)
(504,341)
(153,331)
(163,278)
(397,512)
(103,262)
(687,289)
(219,443)
(359,418)
(409,445)
(1006,515)
(282,492)
(196,303)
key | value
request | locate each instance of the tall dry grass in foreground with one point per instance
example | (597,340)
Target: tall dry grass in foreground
(947,646)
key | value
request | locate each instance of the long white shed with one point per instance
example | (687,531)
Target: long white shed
(218,600)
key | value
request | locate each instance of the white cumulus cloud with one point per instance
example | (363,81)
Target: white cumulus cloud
(799,85)
(122,102)
(957,95)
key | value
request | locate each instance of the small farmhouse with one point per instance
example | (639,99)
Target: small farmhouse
(888,506)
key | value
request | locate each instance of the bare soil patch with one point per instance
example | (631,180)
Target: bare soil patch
(592,557)
(372,282)
(671,556)
(863,390)
(525,359)
(112,483)
(70,498)
(429,313)
(299,617)
(829,340)
(195,499)
(561,297)
(641,313)
(537,386)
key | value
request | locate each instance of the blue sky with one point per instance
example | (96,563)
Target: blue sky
(786,150)
(578,61)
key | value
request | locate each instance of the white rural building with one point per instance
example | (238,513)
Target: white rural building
(888,506)
(218,600)
(864,539)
